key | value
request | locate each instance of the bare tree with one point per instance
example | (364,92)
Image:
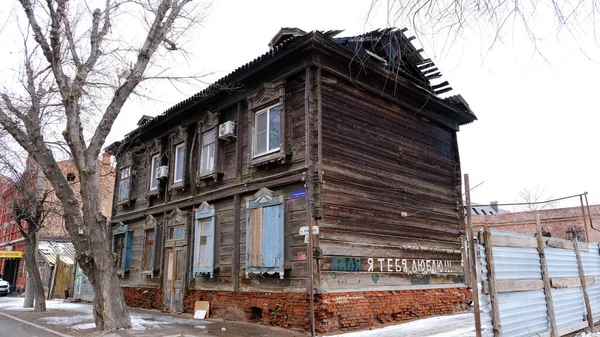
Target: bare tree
(28,208)
(535,199)
(492,19)
(82,50)
(27,199)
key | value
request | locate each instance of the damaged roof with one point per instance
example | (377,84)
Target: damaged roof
(389,47)
(50,249)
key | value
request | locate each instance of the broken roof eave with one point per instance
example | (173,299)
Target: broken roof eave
(460,116)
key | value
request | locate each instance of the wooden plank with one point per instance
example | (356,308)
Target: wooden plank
(489,257)
(564,244)
(513,241)
(507,286)
(255,249)
(472,259)
(586,298)
(546,278)
(235,258)
(569,282)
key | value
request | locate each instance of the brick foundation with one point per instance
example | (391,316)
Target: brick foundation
(335,311)
(147,298)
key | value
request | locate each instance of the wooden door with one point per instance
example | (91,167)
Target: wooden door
(174,279)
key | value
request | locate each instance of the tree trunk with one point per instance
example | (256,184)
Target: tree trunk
(28,302)
(110,310)
(35,288)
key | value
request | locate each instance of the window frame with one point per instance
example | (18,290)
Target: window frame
(181,225)
(262,199)
(214,144)
(153,176)
(122,247)
(124,256)
(176,162)
(205,213)
(148,263)
(127,197)
(267,111)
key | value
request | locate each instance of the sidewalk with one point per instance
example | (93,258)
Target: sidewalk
(75,319)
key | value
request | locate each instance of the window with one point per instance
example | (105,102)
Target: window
(267,130)
(207,157)
(124,183)
(179,160)
(177,232)
(148,259)
(154,166)
(71,176)
(204,240)
(265,234)
(119,249)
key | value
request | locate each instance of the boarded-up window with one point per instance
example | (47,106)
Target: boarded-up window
(119,249)
(121,246)
(204,240)
(148,259)
(265,235)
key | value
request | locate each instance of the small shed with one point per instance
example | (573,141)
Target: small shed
(56,265)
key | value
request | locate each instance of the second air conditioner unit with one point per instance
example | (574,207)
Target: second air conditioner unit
(227,130)
(162,172)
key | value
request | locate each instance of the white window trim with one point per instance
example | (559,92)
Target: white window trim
(175,180)
(266,110)
(214,142)
(153,173)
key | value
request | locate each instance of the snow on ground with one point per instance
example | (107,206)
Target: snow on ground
(139,320)
(461,325)
(16,304)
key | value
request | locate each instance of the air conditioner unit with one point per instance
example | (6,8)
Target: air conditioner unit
(227,130)
(162,172)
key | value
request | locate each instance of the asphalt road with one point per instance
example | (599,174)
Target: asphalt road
(13,328)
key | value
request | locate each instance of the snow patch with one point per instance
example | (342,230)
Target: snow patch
(67,320)
(16,304)
(461,325)
(84,326)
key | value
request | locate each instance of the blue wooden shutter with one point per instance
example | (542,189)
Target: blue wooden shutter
(128,244)
(272,241)
(204,241)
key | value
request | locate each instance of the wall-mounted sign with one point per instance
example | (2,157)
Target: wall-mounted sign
(10,254)
(304,230)
(298,194)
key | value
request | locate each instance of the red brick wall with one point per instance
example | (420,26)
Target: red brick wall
(360,310)
(334,311)
(147,298)
(556,221)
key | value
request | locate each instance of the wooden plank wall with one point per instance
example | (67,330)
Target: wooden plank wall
(295,210)
(379,161)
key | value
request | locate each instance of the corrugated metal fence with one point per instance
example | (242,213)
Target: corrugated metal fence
(515,302)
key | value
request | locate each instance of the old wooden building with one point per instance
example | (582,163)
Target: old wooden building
(346,137)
